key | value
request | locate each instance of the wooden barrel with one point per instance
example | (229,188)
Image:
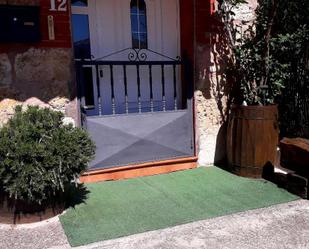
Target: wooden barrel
(252,139)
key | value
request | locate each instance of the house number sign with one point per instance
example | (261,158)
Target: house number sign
(58,5)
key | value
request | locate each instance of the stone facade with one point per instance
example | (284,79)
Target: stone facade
(39,73)
(211,95)
(245,12)
(37,76)
(44,75)
(213,88)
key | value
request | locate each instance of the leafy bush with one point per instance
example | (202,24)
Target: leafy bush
(39,155)
(272,53)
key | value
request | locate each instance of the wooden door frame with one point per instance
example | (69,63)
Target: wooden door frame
(187,40)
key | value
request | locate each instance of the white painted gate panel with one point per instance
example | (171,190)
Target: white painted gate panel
(110,28)
(166,132)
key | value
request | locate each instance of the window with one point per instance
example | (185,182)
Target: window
(138,24)
(81,36)
(79,3)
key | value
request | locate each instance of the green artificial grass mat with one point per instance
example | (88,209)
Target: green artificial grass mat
(121,208)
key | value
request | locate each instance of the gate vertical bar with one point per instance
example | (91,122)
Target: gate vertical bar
(81,92)
(150,86)
(98,89)
(126,88)
(81,84)
(113,90)
(139,89)
(175,87)
(163,88)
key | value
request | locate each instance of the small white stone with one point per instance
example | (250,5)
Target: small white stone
(244,103)
(68,121)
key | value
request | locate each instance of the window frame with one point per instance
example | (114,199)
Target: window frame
(141,11)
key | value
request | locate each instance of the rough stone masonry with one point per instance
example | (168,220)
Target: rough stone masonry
(213,88)
(36,77)
(44,76)
(38,74)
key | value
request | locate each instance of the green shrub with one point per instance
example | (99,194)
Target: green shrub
(39,155)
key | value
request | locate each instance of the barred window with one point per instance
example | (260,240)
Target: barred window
(139,24)
(79,3)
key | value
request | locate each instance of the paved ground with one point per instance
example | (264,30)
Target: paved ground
(280,226)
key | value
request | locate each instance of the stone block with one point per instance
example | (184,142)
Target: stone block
(9,92)
(34,102)
(59,103)
(44,73)
(7,110)
(5,70)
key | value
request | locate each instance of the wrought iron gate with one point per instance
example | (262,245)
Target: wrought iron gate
(145,129)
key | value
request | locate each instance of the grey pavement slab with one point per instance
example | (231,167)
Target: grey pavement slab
(282,226)
(40,235)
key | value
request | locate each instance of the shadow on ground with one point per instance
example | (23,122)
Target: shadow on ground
(18,212)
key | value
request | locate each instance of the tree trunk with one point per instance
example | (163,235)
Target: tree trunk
(265,57)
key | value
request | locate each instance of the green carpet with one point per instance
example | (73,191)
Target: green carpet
(120,208)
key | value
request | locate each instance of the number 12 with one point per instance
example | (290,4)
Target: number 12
(62,6)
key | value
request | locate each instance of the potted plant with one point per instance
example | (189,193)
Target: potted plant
(253,131)
(41,158)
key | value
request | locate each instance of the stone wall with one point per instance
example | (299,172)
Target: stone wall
(37,76)
(212,96)
(245,12)
(213,87)
(40,73)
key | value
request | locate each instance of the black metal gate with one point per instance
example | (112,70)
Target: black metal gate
(149,128)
